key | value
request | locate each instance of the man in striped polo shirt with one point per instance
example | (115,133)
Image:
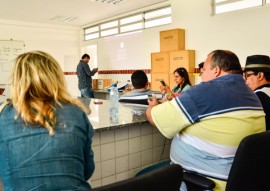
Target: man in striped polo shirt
(208,121)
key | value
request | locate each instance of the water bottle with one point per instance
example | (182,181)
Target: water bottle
(114,103)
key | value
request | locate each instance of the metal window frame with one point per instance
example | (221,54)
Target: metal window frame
(127,24)
(228,2)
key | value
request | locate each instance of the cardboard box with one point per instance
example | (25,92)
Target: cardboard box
(182,58)
(190,76)
(94,84)
(100,84)
(160,62)
(155,80)
(171,40)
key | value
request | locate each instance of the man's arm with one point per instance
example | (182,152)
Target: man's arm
(148,115)
(152,103)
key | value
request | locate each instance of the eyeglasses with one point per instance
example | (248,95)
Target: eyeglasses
(246,75)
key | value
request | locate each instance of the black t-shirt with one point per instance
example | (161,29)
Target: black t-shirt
(265,100)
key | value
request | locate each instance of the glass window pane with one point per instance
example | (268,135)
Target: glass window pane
(158,22)
(91,30)
(232,6)
(109,25)
(131,27)
(109,32)
(158,13)
(91,36)
(131,19)
(218,1)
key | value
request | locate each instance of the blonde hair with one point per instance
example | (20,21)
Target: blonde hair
(38,86)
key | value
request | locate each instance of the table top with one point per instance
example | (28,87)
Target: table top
(129,114)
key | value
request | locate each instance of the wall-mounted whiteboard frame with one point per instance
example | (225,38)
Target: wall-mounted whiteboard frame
(9,50)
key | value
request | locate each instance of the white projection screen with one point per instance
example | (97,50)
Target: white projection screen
(120,52)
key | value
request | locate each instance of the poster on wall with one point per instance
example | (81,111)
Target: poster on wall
(9,50)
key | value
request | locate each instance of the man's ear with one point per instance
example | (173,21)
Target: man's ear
(260,76)
(217,71)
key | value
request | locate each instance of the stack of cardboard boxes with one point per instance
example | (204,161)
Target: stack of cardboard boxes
(172,55)
(100,84)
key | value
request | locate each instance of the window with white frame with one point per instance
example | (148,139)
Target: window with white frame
(222,6)
(130,23)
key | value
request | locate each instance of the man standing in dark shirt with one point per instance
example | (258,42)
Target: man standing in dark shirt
(257,75)
(85,77)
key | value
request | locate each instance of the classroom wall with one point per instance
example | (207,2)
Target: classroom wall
(62,42)
(244,32)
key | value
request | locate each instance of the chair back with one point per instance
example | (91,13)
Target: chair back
(166,178)
(251,166)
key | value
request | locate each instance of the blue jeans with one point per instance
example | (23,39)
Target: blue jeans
(87,92)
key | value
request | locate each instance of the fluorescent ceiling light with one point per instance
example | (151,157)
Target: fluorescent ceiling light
(62,18)
(109,1)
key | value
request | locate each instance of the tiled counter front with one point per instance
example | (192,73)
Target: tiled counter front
(121,153)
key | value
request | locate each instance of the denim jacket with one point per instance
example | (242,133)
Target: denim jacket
(31,159)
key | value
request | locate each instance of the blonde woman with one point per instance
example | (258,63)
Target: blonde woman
(45,136)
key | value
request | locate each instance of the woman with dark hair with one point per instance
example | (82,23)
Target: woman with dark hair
(182,83)
(181,79)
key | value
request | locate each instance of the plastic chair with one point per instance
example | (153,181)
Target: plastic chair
(250,169)
(166,178)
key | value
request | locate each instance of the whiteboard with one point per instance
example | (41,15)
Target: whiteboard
(9,50)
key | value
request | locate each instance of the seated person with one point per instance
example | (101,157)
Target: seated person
(208,121)
(201,67)
(141,91)
(45,135)
(257,76)
(182,81)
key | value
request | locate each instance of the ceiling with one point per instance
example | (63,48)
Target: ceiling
(84,11)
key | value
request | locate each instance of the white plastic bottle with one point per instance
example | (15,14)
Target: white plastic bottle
(114,102)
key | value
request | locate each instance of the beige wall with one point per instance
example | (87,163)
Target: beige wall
(61,42)
(245,32)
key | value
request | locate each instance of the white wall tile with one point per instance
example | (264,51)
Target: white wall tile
(108,168)
(96,183)
(135,160)
(166,154)
(158,140)
(134,131)
(97,172)
(157,154)
(146,129)
(107,151)
(147,142)
(147,157)
(121,164)
(97,153)
(107,137)
(96,139)
(122,176)
(121,148)
(134,145)
(133,172)
(121,134)
(108,180)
